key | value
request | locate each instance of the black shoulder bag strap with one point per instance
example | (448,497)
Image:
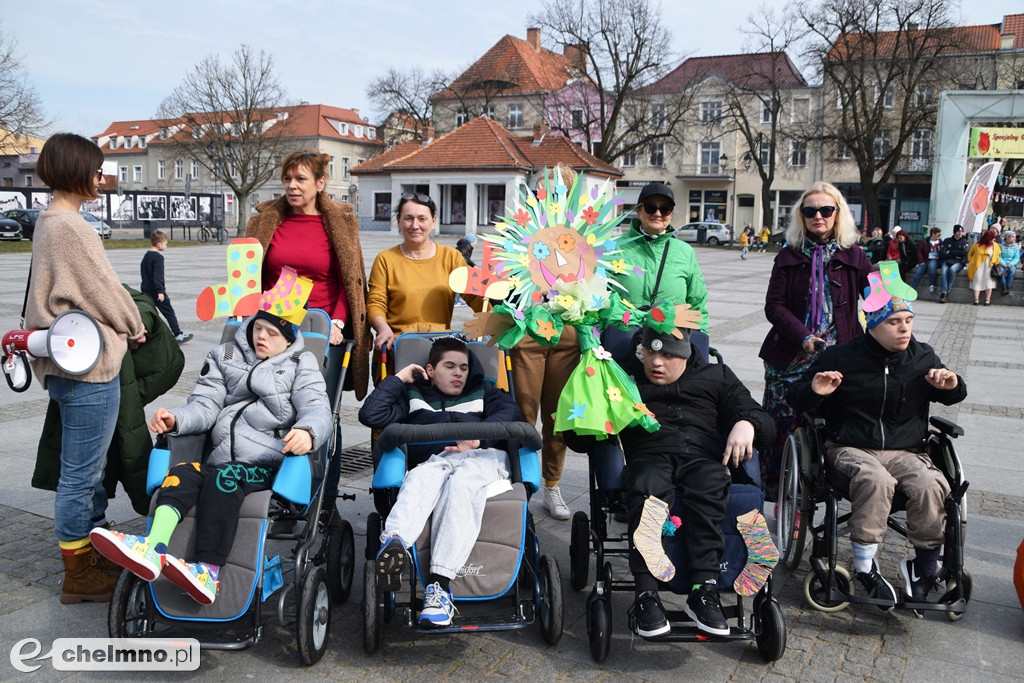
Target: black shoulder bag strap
(657,280)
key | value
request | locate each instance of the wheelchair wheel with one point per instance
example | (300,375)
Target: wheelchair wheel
(130,614)
(770,630)
(579,552)
(371,627)
(549,609)
(341,560)
(374,528)
(599,626)
(965,589)
(791,527)
(314,619)
(814,591)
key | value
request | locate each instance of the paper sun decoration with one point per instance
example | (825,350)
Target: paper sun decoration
(554,255)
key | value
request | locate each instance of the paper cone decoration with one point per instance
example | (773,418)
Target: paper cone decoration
(241,293)
(287,299)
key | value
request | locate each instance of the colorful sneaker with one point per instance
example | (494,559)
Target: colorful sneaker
(198,579)
(438,608)
(131,552)
(554,503)
(391,560)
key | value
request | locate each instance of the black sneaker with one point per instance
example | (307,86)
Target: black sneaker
(942,297)
(704,606)
(877,587)
(915,585)
(649,615)
(391,564)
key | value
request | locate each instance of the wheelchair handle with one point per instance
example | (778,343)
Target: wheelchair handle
(395,435)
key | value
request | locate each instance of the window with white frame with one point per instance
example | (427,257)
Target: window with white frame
(122,174)
(629,159)
(766,112)
(488,111)
(710,111)
(657,156)
(921,143)
(843,151)
(29,180)
(330,167)
(797,153)
(142,141)
(461,117)
(179,169)
(658,114)
(137,174)
(889,97)
(344,167)
(924,96)
(577,118)
(515,116)
(801,111)
(371,133)
(164,133)
(161,169)
(359,161)
(710,153)
(195,170)
(883,143)
(233,169)
(358,131)
(765,152)
(842,98)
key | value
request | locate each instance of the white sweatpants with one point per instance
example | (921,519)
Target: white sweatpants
(454,486)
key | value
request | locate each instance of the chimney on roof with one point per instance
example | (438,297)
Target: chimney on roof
(913,26)
(577,54)
(539,131)
(533,37)
(428,132)
(1007,42)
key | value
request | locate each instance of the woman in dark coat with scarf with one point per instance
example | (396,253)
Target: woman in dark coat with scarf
(811,304)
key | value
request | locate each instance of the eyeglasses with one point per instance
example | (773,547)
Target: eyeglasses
(810,211)
(99,174)
(417,196)
(663,209)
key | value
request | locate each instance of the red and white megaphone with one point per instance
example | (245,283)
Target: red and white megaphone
(73,343)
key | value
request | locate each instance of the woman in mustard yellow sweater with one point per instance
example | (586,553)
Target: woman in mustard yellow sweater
(408,283)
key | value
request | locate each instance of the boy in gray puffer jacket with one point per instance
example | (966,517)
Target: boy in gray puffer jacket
(261,396)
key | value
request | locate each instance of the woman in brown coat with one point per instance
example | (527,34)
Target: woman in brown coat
(319,238)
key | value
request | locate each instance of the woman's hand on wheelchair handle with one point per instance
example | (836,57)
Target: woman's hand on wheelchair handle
(824,383)
(297,442)
(461,446)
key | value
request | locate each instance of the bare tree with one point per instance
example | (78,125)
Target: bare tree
(883,64)
(472,92)
(21,111)
(755,102)
(232,119)
(623,47)
(403,98)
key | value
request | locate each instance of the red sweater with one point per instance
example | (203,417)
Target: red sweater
(301,243)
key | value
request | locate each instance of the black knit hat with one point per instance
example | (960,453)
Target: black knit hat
(287,329)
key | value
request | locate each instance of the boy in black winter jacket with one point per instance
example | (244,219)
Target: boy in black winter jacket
(454,480)
(708,422)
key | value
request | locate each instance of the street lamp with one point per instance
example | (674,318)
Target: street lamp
(724,161)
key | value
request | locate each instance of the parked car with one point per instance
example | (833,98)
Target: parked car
(26,218)
(10,229)
(101,228)
(714,233)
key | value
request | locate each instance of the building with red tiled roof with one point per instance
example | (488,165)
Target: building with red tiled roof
(508,83)
(469,172)
(138,154)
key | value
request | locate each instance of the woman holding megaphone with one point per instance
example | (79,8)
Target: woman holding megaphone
(70,270)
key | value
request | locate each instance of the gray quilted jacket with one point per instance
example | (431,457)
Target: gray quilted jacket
(251,404)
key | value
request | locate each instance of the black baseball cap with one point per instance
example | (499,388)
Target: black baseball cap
(655,189)
(666,342)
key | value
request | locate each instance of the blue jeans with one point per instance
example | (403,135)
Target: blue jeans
(949,271)
(933,266)
(1007,278)
(88,415)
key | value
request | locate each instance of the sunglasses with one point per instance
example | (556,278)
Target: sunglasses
(663,209)
(416,196)
(810,211)
(99,174)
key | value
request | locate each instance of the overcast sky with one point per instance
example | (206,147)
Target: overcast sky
(94,62)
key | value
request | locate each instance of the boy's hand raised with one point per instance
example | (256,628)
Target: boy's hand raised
(163,421)
(941,378)
(461,446)
(297,442)
(824,383)
(409,372)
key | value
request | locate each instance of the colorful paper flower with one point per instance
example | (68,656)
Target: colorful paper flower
(590,216)
(541,251)
(542,194)
(566,242)
(614,393)
(604,354)
(578,411)
(522,218)
(546,329)
(618,265)
(642,408)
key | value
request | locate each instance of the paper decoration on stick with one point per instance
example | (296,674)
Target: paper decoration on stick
(482,280)
(976,197)
(240,294)
(287,298)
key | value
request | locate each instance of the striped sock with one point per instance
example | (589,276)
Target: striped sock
(863,554)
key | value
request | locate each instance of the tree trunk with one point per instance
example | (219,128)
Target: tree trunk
(872,216)
(243,214)
(766,217)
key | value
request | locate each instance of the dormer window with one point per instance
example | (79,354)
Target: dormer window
(358,131)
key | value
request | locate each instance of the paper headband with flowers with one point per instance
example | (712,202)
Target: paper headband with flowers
(553,260)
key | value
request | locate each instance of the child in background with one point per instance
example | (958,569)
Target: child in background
(153,283)
(744,244)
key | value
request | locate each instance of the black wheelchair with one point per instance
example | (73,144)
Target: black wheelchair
(806,480)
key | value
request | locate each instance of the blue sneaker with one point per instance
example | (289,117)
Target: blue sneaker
(438,608)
